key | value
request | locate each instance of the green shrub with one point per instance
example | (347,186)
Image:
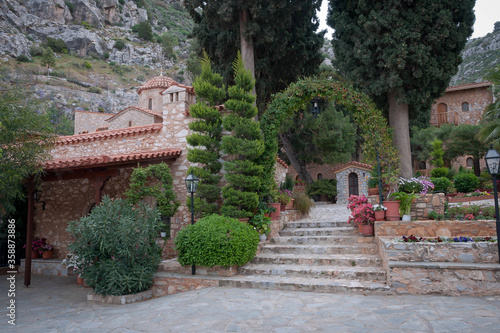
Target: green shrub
(326,187)
(95,90)
(433,215)
(119,44)
(373,182)
(117,245)
(23,58)
(87,65)
(36,50)
(439,172)
(412,185)
(70,6)
(303,203)
(485,181)
(106,55)
(441,184)
(57,45)
(466,182)
(216,241)
(143,30)
(288,184)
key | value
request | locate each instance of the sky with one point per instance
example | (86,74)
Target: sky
(487,13)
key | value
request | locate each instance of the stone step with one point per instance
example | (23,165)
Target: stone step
(327,231)
(361,248)
(306,284)
(334,272)
(319,259)
(345,240)
(305,224)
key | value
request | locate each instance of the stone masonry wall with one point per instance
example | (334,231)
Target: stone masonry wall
(421,206)
(433,228)
(86,121)
(343,183)
(478,99)
(155,95)
(130,118)
(314,170)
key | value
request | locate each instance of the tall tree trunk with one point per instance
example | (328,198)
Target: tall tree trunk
(290,152)
(476,167)
(399,122)
(246,46)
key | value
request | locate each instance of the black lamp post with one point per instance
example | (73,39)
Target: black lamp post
(315,107)
(492,159)
(192,185)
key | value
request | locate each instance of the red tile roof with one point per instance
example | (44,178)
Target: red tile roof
(469,86)
(138,108)
(162,82)
(280,161)
(354,164)
(106,135)
(106,160)
(102,128)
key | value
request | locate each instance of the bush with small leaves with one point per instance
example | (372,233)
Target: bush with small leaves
(23,58)
(439,172)
(466,182)
(87,65)
(119,44)
(441,184)
(95,90)
(216,241)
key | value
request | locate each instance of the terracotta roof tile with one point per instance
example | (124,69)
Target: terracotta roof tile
(143,110)
(102,128)
(103,160)
(355,164)
(162,82)
(280,161)
(106,135)
(469,86)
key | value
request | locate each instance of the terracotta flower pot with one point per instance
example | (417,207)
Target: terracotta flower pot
(34,254)
(290,205)
(274,215)
(48,254)
(392,213)
(373,191)
(367,229)
(379,215)
(79,280)
(282,207)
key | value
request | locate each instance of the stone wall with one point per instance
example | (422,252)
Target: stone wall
(434,228)
(46,267)
(343,183)
(421,206)
(316,171)
(131,117)
(86,121)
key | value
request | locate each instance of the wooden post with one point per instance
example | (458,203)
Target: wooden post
(99,183)
(30,187)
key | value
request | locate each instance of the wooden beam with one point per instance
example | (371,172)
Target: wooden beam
(30,187)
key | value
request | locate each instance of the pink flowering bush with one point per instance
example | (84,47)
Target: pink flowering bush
(356,201)
(362,214)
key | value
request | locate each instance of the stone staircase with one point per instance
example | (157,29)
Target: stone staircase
(315,256)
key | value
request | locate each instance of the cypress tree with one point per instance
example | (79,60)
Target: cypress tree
(403,53)
(206,138)
(245,145)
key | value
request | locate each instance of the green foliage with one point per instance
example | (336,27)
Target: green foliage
(288,184)
(23,58)
(62,122)
(433,215)
(261,223)
(95,90)
(245,144)
(86,25)
(57,45)
(437,153)
(327,187)
(464,141)
(119,44)
(206,138)
(485,181)
(26,137)
(143,30)
(405,200)
(479,212)
(117,245)
(303,204)
(490,123)
(282,33)
(439,172)
(87,65)
(162,190)
(441,184)
(216,241)
(71,6)
(105,55)
(36,50)
(466,182)
(48,58)
(168,41)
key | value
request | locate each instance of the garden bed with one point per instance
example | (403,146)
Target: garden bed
(461,198)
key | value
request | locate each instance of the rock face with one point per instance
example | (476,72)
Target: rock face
(52,10)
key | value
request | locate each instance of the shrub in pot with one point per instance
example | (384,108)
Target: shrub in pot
(303,204)
(116,246)
(216,241)
(405,200)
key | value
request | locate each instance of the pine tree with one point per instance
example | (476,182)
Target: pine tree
(48,59)
(206,138)
(403,53)
(244,145)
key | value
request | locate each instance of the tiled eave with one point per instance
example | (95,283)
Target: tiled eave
(352,164)
(280,161)
(469,86)
(109,160)
(107,135)
(138,108)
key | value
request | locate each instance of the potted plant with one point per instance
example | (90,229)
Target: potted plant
(405,200)
(47,251)
(379,212)
(284,197)
(261,223)
(72,261)
(36,247)
(274,205)
(364,216)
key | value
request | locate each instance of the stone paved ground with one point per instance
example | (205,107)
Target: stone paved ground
(57,304)
(328,212)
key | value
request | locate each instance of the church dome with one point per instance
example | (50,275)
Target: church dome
(162,82)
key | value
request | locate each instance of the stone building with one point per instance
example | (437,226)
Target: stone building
(99,159)
(352,179)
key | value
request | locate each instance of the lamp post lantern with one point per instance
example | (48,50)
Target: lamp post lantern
(192,185)
(492,159)
(315,107)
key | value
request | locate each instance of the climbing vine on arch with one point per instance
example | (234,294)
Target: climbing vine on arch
(374,128)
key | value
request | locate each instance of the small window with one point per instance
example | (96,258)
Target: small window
(171,98)
(150,106)
(421,165)
(320,176)
(470,162)
(176,96)
(465,106)
(130,123)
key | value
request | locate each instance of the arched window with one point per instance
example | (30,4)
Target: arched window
(470,162)
(297,177)
(421,165)
(320,176)
(353,184)
(150,106)
(465,106)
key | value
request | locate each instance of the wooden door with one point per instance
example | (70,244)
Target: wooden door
(442,113)
(353,184)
